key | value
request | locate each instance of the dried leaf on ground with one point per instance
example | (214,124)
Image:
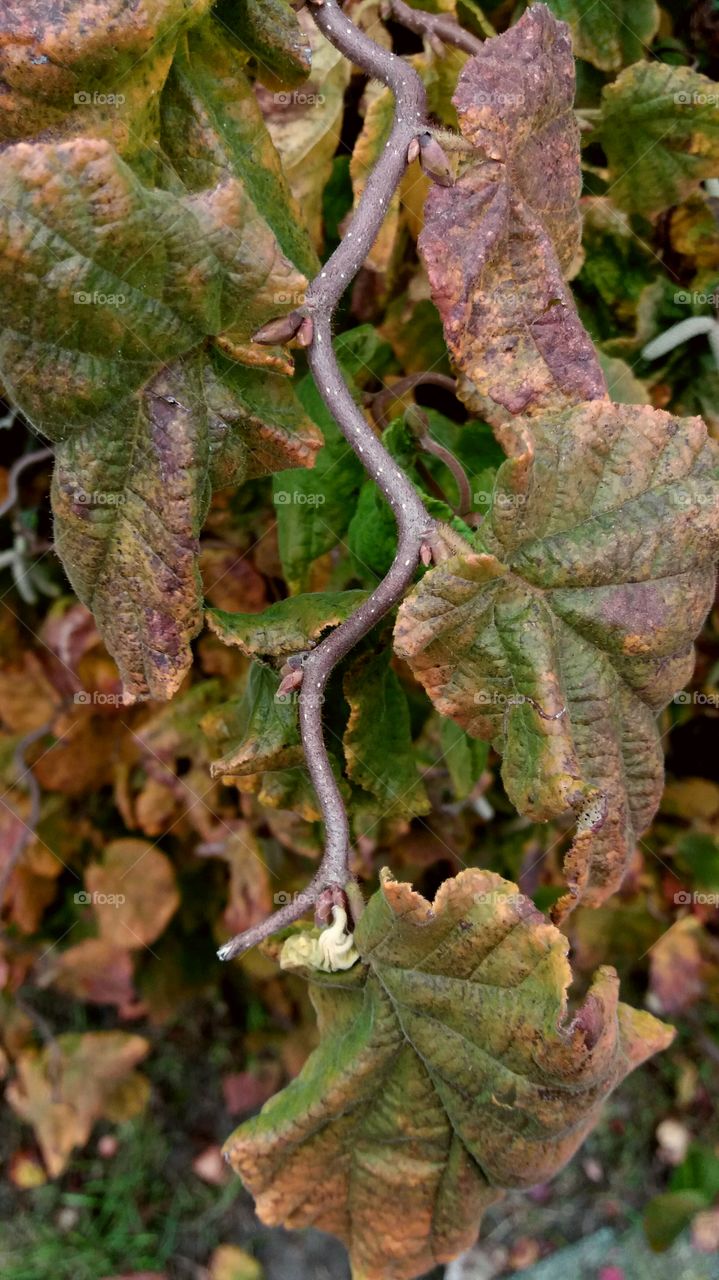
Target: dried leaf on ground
(63,1089)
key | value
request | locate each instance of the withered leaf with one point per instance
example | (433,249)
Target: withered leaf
(562,639)
(448,1069)
(271,31)
(63,1089)
(500,242)
(133,891)
(102,347)
(88,67)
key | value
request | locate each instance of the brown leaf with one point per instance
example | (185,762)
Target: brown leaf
(62,1090)
(675,968)
(133,893)
(94,970)
(499,244)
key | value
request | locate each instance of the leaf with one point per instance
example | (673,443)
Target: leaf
(134,893)
(249,899)
(378,741)
(213,126)
(128,512)
(610,35)
(498,244)
(676,968)
(667,1215)
(62,1090)
(286,627)
(256,424)
(94,970)
(265,725)
(269,29)
(315,507)
(563,642)
(230,1263)
(660,130)
(376,128)
(59,70)
(447,1070)
(465,757)
(122,280)
(305,127)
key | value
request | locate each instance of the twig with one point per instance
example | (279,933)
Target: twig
(416,530)
(438,27)
(418,423)
(21,464)
(380,402)
(34,816)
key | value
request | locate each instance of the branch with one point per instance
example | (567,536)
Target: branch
(13,476)
(417,532)
(29,826)
(379,403)
(439,28)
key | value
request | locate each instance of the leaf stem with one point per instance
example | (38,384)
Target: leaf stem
(416,529)
(436,26)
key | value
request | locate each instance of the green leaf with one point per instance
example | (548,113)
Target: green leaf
(611,34)
(269,29)
(660,130)
(314,507)
(286,627)
(212,126)
(563,642)
(262,726)
(447,1070)
(666,1216)
(465,757)
(378,741)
